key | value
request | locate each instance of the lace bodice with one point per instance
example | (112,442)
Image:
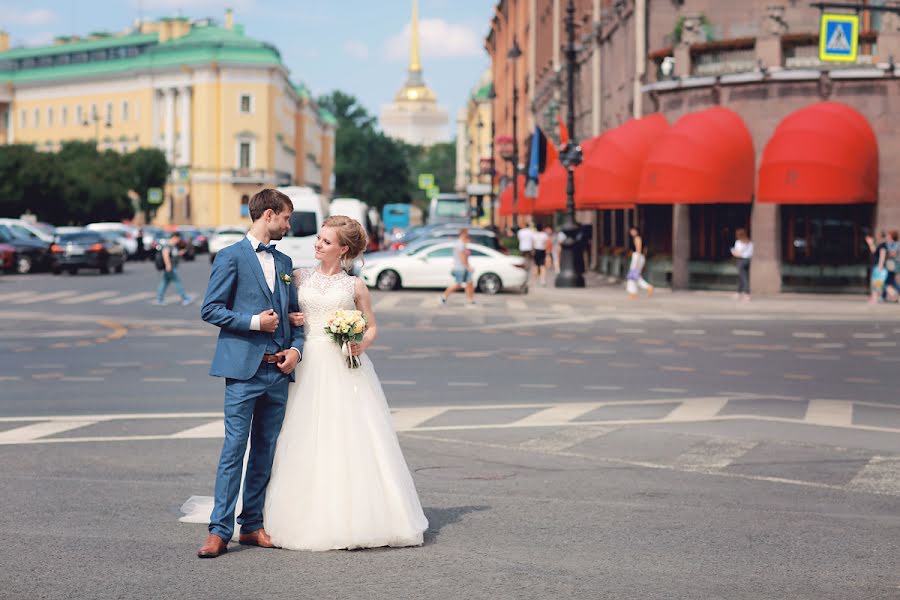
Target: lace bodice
(320,295)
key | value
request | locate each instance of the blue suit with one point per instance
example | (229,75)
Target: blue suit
(255,394)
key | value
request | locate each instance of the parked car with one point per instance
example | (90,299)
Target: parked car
(151,236)
(131,235)
(223,237)
(199,240)
(430,266)
(66,229)
(186,245)
(27,230)
(88,250)
(7,258)
(31,254)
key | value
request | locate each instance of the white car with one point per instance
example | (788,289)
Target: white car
(223,237)
(27,230)
(129,238)
(430,266)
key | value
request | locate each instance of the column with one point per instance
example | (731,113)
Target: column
(765,267)
(681,245)
(184,94)
(169,120)
(10,123)
(154,127)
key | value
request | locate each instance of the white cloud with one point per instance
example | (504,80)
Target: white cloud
(37,16)
(356,49)
(437,39)
(41,38)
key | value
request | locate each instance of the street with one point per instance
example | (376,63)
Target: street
(564,445)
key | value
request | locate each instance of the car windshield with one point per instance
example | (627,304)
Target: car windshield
(303,224)
(80,238)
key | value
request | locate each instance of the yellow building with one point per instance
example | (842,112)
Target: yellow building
(220,105)
(473,145)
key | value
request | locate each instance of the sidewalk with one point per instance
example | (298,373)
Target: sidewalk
(612,296)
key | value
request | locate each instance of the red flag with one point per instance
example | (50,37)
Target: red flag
(563,130)
(552,153)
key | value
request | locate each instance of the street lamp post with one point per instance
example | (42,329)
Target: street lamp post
(479,179)
(95,119)
(493,171)
(571,263)
(514,53)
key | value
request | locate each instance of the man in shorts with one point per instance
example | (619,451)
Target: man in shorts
(462,271)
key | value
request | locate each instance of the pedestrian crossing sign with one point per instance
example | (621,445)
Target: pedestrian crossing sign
(838,38)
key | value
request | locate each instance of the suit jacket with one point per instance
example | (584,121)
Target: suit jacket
(237,291)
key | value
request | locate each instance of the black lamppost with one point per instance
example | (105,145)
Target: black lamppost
(478,178)
(492,171)
(95,119)
(571,260)
(514,53)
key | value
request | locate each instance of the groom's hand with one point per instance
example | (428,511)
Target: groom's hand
(268,321)
(287,361)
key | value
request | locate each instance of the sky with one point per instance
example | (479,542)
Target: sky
(357,46)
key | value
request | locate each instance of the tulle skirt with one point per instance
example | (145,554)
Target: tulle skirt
(339,479)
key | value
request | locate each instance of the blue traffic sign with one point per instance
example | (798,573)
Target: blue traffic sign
(839,38)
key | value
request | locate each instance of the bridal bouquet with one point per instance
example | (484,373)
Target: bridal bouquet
(346,327)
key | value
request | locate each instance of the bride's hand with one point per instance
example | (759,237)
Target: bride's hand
(297,319)
(356,349)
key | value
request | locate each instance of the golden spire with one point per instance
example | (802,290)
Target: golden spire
(414,64)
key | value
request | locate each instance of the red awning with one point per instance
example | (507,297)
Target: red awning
(707,157)
(525,205)
(825,153)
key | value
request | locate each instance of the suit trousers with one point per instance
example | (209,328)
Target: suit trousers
(253,408)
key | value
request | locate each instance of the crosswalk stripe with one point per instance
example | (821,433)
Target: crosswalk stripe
(39,430)
(428,302)
(88,297)
(713,454)
(564,438)
(388,301)
(39,297)
(830,412)
(12,295)
(213,429)
(561,308)
(562,413)
(410,418)
(880,476)
(697,409)
(516,305)
(130,298)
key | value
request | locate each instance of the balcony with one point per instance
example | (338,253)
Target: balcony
(251,176)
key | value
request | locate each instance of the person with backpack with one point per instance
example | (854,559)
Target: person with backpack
(167,260)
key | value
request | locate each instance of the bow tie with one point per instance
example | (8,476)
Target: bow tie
(263,248)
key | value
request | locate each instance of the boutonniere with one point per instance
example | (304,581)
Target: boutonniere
(286,278)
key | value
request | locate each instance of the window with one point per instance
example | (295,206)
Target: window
(474,252)
(441,252)
(64,116)
(244,157)
(93,114)
(303,223)
(125,111)
(37,117)
(246,103)
(187,206)
(24,119)
(109,112)
(79,115)
(49,117)
(245,207)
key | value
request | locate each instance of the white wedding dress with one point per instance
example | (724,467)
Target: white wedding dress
(339,479)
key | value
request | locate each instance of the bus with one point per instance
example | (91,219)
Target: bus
(400,216)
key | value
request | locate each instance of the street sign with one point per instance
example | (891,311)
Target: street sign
(426,180)
(154,196)
(184,173)
(433,192)
(838,38)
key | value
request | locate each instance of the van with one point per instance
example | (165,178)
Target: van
(448,208)
(310,210)
(358,211)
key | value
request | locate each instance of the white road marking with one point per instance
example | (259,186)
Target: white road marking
(12,295)
(818,357)
(121,365)
(10,378)
(690,332)
(410,418)
(40,430)
(812,335)
(516,305)
(630,330)
(164,379)
(597,351)
(561,308)
(880,476)
(561,413)
(130,298)
(666,390)
(429,302)
(714,454)
(829,345)
(38,297)
(564,438)
(88,297)
(214,429)
(881,344)
(45,366)
(397,382)
(467,384)
(697,409)
(82,379)
(838,413)
(869,336)
(538,386)
(748,332)
(388,301)
(608,388)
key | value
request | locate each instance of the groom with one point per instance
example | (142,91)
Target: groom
(249,297)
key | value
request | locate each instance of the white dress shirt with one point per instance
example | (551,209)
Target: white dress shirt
(267,262)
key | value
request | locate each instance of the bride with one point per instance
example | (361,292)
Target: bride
(339,479)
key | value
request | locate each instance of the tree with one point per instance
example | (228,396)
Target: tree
(149,169)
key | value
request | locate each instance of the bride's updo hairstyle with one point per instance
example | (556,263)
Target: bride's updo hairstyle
(349,233)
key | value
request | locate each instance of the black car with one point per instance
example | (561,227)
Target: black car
(31,254)
(197,239)
(87,250)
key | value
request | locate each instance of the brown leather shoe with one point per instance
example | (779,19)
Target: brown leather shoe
(213,547)
(256,538)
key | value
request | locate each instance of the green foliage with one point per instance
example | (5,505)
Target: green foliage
(439,160)
(78,184)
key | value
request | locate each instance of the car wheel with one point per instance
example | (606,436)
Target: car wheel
(489,284)
(120,268)
(23,265)
(73,270)
(57,271)
(104,270)
(387,280)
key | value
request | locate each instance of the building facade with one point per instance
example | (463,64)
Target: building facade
(219,104)
(757,59)
(474,143)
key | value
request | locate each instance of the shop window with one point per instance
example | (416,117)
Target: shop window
(713,227)
(825,234)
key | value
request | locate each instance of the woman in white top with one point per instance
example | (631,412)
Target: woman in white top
(743,252)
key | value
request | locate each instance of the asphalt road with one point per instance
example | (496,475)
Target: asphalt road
(562,448)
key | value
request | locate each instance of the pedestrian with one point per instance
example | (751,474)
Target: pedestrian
(539,240)
(462,270)
(743,252)
(167,261)
(557,241)
(634,279)
(891,292)
(879,272)
(526,245)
